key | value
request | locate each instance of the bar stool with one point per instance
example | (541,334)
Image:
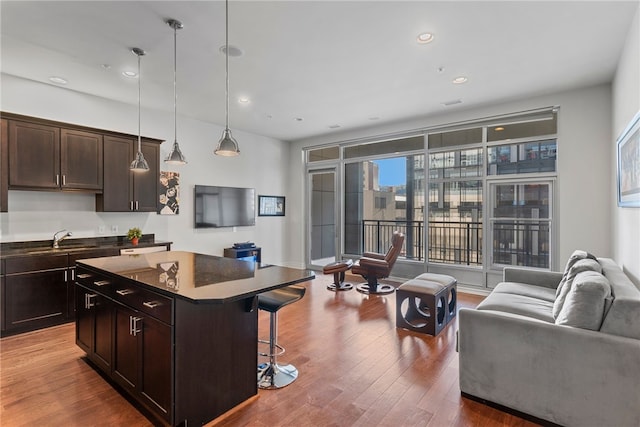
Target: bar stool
(272,375)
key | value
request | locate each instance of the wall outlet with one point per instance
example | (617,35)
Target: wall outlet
(101,229)
(114,229)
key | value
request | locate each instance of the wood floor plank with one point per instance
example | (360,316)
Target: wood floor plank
(356,369)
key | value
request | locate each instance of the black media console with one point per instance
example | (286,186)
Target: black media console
(249,254)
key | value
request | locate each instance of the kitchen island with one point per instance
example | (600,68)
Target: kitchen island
(176,331)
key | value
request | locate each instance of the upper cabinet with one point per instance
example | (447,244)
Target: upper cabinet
(39,154)
(4,164)
(125,190)
(50,158)
(81,159)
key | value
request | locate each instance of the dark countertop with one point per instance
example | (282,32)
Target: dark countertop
(44,247)
(197,277)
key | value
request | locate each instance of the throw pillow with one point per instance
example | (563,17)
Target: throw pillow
(576,256)
(579,266)
(586,301)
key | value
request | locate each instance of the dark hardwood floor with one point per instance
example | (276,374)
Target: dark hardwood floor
(356,369)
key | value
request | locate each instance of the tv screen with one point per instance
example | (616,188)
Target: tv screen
(224,206)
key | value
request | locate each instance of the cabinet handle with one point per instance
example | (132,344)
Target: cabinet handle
(152,304)
(101,282)
(57,179)
(137,205)
(87,300)
(66,279)
(133,325)
(124,292)
(131,205)
(64,180)
(83,276)
(73,274)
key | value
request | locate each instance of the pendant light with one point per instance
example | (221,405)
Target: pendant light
(139,164)
(175,157)
(227,146)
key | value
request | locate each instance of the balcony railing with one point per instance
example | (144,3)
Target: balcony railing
(449,242)
(516,242)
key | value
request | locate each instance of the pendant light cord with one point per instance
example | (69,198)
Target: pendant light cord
(226,53)
(175,72)
(139,144)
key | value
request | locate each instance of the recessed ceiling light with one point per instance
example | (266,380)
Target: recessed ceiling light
(130,74)
(106,66)
(244,100)
(424,38)
(336,126)
(499,129)
(233,51)
(459,80)
(58,80)
(452,102)
(374,118)
(299,119)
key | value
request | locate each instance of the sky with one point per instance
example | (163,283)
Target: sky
(392,171)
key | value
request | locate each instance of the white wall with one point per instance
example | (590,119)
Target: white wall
(583,188)
(626,103)
(261,165)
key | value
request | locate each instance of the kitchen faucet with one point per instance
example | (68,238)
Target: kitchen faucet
(57,240)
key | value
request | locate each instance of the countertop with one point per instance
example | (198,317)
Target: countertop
(197,277)
(71,245)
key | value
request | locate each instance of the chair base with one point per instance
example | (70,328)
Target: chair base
(340,287)
(378,289)
(274,376)
(338,269)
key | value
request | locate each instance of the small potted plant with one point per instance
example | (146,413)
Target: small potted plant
(134,234)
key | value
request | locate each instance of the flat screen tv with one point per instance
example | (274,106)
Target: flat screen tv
(224,206)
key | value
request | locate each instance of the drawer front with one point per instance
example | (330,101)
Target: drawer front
(35,263)
(95,281)
(144,300)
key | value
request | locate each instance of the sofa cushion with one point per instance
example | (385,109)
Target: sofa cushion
(586,264)
(623,318)
(576,256)
(586,301)
(518,304)
(540,292)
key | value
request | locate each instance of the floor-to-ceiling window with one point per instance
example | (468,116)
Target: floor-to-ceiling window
(476,196)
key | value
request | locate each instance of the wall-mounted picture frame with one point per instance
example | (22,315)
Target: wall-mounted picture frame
(169,193)
(629,165)
(270,205)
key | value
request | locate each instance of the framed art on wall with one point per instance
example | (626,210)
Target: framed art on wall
(629,164)
(169,193)
(270,205)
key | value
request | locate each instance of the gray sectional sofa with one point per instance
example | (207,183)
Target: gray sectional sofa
(560,347)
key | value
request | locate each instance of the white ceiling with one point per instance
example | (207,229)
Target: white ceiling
(328,63)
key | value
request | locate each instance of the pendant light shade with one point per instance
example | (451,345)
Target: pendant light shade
(139,164)
(227,146)
(175,157)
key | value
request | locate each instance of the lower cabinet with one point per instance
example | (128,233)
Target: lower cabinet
(34,293)
(94,326)
(131,346)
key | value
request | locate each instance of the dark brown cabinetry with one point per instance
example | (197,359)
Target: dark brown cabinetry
(50,158)
(34,292)
(4,165)
(126,331)
(34,155)
(124,190)
(80,160)
(94,325)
